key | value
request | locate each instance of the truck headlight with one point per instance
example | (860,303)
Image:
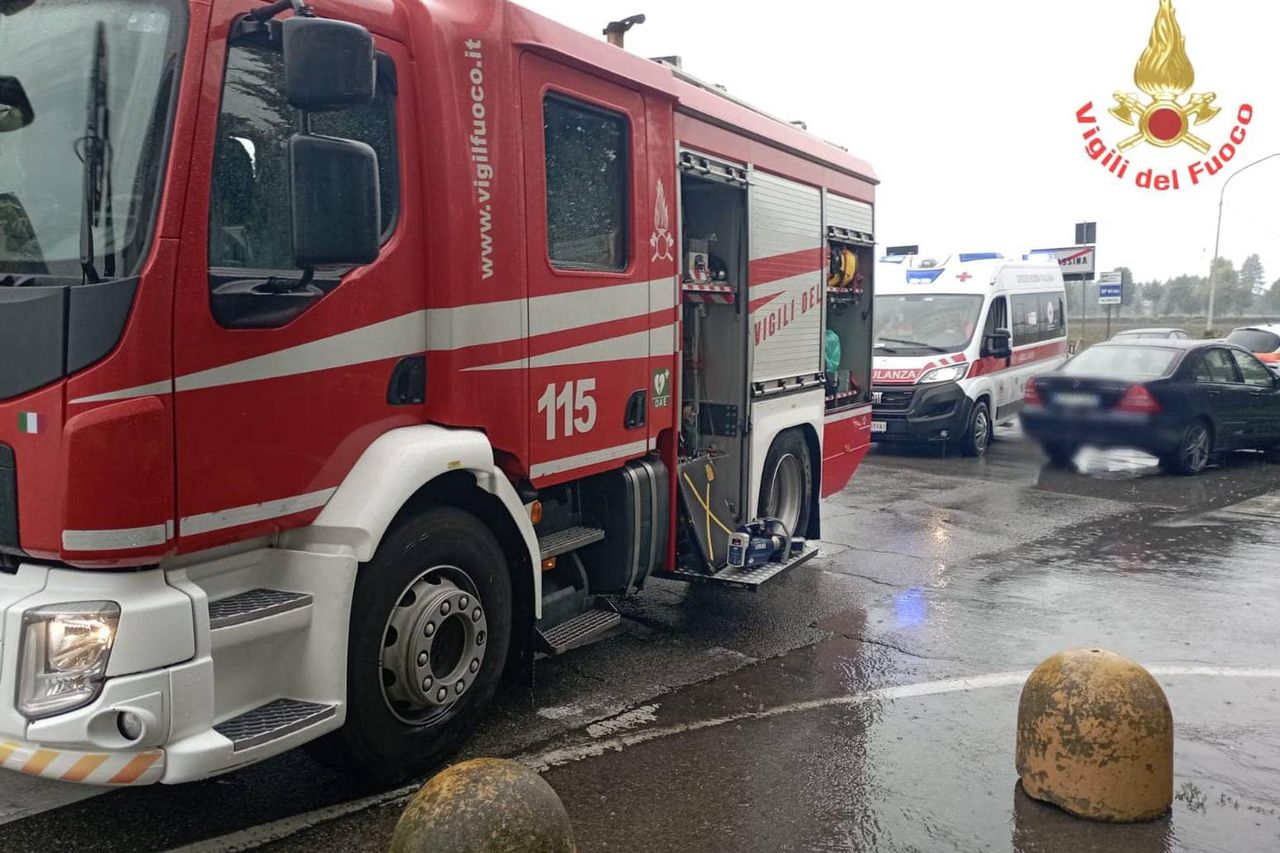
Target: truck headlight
(64,654)
(950,373)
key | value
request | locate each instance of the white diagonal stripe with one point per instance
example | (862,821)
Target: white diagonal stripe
(634,345)
(121,539)
(193,525)
(399,336)
(582,460)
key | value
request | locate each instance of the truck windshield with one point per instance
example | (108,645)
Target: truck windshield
(97,79)
(925,323)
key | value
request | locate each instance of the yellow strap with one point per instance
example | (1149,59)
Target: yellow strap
(706,505)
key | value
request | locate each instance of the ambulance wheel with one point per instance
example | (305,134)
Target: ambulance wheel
(786,487)
(430,628)
(977,435)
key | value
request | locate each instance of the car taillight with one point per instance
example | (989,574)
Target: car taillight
(1031,396)
(1138,400)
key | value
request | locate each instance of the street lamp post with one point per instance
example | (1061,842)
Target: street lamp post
(1213,262)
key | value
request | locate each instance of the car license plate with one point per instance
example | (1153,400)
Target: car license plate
(1077,399)
(877,397)
(879,426)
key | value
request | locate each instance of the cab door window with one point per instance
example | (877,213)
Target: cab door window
(997,317)
(250,218)
(587,180)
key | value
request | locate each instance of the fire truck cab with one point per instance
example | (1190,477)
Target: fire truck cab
(350,352)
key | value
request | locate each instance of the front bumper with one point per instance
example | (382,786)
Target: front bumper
(142,767)
(155,640)
(920,413)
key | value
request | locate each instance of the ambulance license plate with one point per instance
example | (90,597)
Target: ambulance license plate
(879,426)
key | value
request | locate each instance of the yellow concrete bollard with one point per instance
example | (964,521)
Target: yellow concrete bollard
(1095,737)
(484,806)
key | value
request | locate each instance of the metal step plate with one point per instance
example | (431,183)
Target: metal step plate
(579,630)
(744,578)
(571,539)
(272,721)
(254,604)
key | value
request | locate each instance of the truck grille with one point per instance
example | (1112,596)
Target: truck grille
(8,499)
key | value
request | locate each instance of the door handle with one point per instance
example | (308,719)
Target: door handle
(637,409)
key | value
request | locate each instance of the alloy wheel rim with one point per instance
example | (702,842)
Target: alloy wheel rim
(785,496)
(433,645)
(1195,452)
(981,431)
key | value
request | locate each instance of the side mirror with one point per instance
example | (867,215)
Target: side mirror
(328,65)
(337,212)
(998,344)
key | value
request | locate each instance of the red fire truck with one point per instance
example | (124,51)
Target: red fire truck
(348,354)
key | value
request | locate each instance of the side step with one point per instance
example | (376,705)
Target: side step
(272,721)
(579,630)
(254,604)
(570,539)
(745,578)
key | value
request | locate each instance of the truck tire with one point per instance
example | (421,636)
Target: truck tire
(786,484)
(430,630)
(1195,448)
(977,433)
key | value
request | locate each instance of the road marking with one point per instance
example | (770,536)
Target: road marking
(541,761)
(625,721)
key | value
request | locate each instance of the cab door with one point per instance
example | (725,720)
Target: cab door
(281,385)
(588,205)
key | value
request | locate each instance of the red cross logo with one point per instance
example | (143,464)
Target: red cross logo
(964,276)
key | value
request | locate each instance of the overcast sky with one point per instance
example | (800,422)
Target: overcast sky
(967,112)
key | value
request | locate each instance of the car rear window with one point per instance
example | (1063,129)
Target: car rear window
(1255,340)
(1123,360)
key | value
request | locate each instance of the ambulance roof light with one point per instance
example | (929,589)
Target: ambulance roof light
(966,257)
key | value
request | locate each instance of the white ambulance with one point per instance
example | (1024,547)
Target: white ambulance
(956,341)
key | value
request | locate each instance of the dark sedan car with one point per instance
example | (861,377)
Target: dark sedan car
(1181,401)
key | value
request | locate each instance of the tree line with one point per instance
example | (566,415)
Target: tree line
(1242,292)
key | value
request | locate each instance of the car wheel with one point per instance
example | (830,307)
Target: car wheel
(788,483)
(430,629)
(1194,450)
(977,435)
(1060,455)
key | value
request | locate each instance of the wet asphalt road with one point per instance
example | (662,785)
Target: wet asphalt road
(864,701)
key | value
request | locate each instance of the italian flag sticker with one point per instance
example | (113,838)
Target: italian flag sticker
(29,422)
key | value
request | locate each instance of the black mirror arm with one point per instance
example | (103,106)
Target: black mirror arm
(266,13)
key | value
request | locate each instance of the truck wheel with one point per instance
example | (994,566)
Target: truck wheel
(977,435)
(1194,449)
(786,486)
(430,628)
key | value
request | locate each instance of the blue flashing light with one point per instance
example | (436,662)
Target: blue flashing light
(893,259)
(980,256)
(924,276)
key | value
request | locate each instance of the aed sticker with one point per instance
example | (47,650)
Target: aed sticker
(662,388)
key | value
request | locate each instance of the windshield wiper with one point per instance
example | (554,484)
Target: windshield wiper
(95,152)
(918,344)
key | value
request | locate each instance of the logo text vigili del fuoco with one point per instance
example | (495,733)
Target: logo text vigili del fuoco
(1170,116)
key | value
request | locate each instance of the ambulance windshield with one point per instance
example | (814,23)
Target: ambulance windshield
(921,324)
(85,94)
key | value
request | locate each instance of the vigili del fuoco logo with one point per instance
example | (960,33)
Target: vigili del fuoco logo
(1170,115)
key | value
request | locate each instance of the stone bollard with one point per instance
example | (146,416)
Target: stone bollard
(484,806)
(1095,737)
